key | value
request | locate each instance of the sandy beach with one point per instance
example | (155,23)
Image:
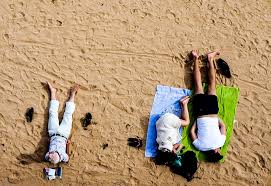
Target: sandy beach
(118,51)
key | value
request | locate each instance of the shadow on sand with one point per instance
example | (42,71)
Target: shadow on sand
(38,155)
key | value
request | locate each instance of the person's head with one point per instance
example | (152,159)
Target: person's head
(166,145)
(213,155)
(188,166)
(54,157)
(164,157)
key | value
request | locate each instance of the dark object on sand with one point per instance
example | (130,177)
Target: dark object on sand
(135,142)
(223,68)
(165,157)
(59,172)
(29,114)
(105,145)
(86,120)
(186,165)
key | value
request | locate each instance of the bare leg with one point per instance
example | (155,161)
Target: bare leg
(73,92)
(212,73)
(52,91)
(197,75)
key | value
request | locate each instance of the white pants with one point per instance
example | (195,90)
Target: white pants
(65,127)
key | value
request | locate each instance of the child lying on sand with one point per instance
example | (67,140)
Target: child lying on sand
(59,134)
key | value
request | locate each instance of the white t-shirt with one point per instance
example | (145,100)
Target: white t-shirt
(209,136)
(167,127)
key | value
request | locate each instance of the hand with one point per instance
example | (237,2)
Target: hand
(184,100)
(176,147)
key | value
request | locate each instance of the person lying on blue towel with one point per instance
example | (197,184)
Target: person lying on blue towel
(168,135)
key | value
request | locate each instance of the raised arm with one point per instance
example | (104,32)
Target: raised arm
(222,127)
(185,120)
(193,132)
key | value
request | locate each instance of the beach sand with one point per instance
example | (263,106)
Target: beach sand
(118,51)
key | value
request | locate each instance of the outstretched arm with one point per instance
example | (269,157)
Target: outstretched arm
(222,127)
(193,132)
(185,120)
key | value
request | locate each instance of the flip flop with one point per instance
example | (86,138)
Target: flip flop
(86,120)
(29,114)
(223,68)
(135,142)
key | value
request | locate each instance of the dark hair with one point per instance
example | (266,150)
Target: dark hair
(189,165)
(223,68)
(165,157)
(213,156)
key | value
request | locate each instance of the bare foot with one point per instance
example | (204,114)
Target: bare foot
(212,55)
(185,100)
(52,90)
(195,54)
(73,91)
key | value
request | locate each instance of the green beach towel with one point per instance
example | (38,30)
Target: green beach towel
(227,103)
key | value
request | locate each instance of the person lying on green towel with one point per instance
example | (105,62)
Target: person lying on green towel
(208,132)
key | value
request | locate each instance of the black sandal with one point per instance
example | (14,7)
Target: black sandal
(86,120)
(29,114)
(135,142)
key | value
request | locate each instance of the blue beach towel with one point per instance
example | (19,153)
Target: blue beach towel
(166,100)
